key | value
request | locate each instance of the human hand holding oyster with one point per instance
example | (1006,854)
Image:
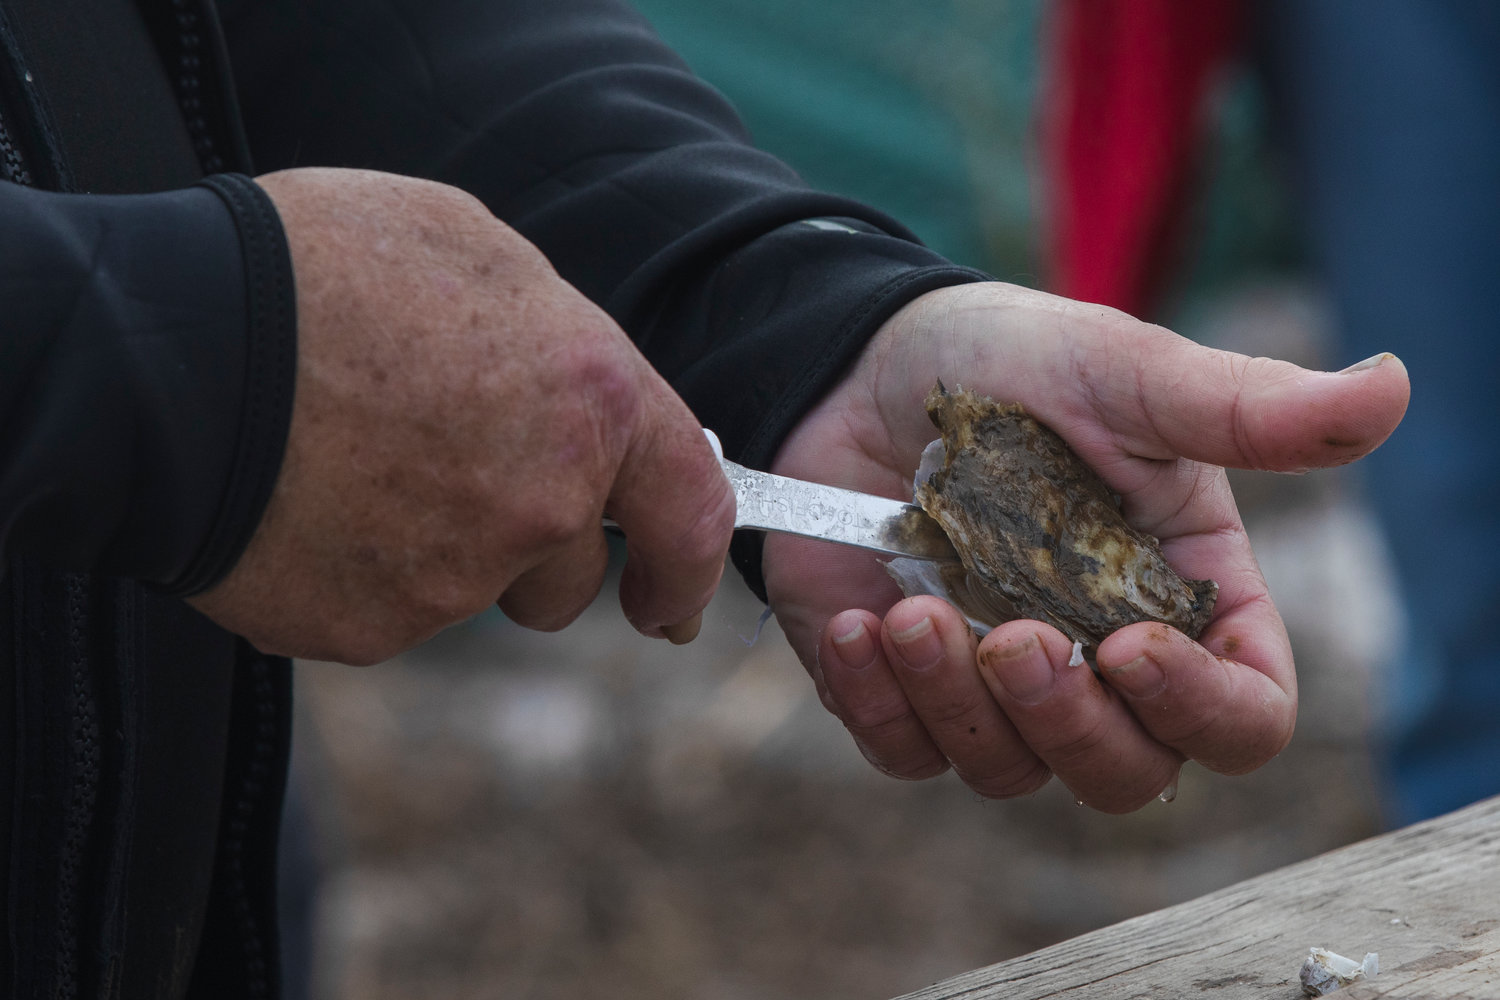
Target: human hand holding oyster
(1157,418)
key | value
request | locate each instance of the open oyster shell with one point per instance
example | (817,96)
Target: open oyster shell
(1039,533)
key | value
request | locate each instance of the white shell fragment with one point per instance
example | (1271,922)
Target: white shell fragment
(1077,660)
(1324,971)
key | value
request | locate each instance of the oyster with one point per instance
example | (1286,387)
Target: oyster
(1039,533)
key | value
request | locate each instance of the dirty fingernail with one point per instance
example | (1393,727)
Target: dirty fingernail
(684,631)
(1023,670)
(855,647)
(918,646)
(1142,677)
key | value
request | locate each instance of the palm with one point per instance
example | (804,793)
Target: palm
(869,434)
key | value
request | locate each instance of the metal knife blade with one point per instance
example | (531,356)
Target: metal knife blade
(777,503)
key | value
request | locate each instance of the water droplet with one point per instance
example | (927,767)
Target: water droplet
(1078,802)
(1170,792)
(28,76)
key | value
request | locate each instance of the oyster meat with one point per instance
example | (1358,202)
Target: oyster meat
(1039,533)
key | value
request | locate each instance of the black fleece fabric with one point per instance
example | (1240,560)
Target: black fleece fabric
(147,371)
(146,376)
(578,126)
(569,118)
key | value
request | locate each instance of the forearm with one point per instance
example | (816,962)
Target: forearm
(575,124)
(145,380)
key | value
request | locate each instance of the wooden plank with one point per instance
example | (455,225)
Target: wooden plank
(1426,898)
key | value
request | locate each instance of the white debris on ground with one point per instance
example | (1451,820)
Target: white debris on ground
(1324,971)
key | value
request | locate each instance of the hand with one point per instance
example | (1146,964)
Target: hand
(463,418)
(1156,416)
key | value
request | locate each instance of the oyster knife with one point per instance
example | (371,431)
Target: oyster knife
(768,502)
(778,503)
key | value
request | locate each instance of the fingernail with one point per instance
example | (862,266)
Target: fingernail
(918,646)
(855,648)
(1142,677)
(1375,361)
(1023,670)
(684,631)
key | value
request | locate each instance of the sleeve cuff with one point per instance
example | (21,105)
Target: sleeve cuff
(270,373)
(796,307)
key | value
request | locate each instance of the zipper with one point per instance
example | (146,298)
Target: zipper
(81,816)
(12,164)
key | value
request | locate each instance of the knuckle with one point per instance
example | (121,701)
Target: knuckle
(553,614)
(1088,746)
(1225,743)
(928,768)
(1246,754)
(552,619)
(553,594)
(879,719)
(561,520)
(1117,794)
(438,585)
(912,764)
(334,639)
(439,607)
(705,536)
(1022,777)
(1123,788)
(954,711)
(442,198)
(606,379)
(1184,728)
(358,645)
(893,739)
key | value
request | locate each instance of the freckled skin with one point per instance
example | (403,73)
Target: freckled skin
(1044,531)
(462,418)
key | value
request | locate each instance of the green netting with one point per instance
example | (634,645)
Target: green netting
(919,108)
(925,108)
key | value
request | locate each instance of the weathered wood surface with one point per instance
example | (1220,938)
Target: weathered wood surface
(1426,898)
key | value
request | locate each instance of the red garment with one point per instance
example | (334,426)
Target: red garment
(1122,117)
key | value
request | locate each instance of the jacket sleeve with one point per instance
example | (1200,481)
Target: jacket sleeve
(574,123)
(146,365)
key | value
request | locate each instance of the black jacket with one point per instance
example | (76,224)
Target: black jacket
(147,358)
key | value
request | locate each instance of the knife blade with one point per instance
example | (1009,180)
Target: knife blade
(777,503)
(767,502)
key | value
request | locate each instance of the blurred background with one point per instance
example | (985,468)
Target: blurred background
(508,814)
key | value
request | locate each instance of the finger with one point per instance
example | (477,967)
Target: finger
(865,695)
(1228,715)
(1257,413)
(684,631)
(551,594)
(809,582)
(1077,727)
(931,652)
(677,512)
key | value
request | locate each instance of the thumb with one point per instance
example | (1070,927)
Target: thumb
(677,512)
(1258,413)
